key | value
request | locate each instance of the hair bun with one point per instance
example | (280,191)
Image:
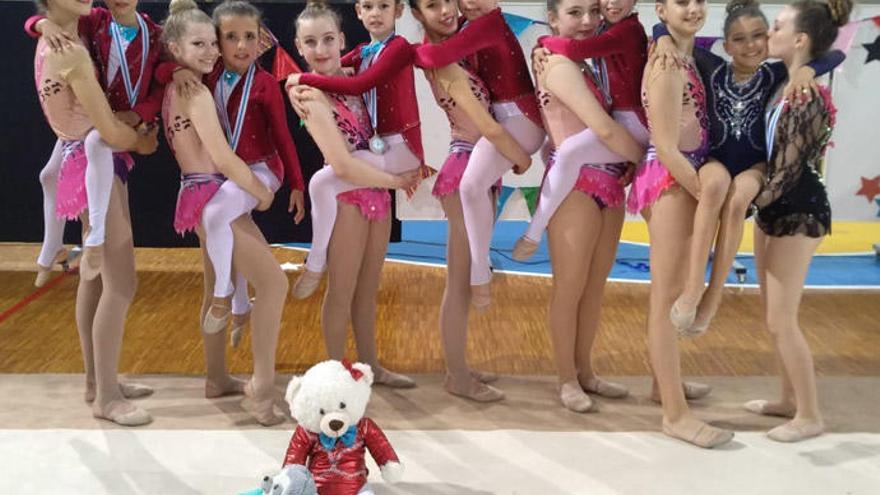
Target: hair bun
(840,10)
(734,5)
(178,6)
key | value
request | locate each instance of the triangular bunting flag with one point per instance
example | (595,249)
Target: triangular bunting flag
(503,196)
(530,194)
(518,23)
(283,65)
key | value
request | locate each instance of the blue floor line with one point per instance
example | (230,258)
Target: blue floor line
(425,242)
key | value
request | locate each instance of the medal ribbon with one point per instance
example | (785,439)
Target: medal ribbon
(115,31)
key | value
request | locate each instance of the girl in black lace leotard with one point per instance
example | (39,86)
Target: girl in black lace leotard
(793,211)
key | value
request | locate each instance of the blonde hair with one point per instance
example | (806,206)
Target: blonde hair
(181,13)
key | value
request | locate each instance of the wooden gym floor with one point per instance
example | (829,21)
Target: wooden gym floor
(162,333)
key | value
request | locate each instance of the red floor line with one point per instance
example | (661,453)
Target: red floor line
(33,296)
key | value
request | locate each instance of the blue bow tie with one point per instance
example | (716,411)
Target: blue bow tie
(371,49)
(230,77)
(347,439)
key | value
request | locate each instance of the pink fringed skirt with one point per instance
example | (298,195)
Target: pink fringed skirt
(375,204)
(195,192)
(71,196)
(449,177)
(652,178)
(599,181)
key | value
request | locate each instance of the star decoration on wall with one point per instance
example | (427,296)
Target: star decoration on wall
(870,188)
(873,50)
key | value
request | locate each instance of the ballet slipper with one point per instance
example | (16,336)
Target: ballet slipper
(604,388)
(261,406)
(239,323)
(44,273)
(476,391)
(795,431)
(573,397)
(229,386)
(481,296)
(213,323)
(128,390)
(692,391)
(705,312)
(524,248)
(681,319)
(484,376)
(90,262)
(767,408)
(698,433)
(390,379)
(306,284)
(122,413)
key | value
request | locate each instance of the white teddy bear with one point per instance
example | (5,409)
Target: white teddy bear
(328,403)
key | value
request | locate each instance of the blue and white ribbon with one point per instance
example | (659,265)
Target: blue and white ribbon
(772,120)
(116,33)
(233,134)
(372,52)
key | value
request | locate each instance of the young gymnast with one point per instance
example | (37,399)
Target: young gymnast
(384,76)
(74,103)
(124,45)
(619,53)
(794,214)
(736,94)
(200,145)
(465,99)
(583,237)
(503,68)
(251,109)
(360,237)
(664,191)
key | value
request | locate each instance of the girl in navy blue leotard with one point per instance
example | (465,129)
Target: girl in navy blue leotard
(736,95)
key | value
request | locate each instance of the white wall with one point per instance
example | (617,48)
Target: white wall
(856,137)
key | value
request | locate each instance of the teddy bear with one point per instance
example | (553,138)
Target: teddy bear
(332,435)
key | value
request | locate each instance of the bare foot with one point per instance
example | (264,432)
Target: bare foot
(122,413)
(474,390)
(763,407)
(128,390)
(225,387)
(697,432)
(261,406)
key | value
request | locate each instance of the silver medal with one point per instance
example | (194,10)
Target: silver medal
(377,145)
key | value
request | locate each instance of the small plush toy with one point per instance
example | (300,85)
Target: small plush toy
(292,480)
(328,403)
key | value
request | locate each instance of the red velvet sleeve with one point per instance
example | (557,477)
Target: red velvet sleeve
(86,27)
(379,446)
(395,56)
(352,58)
(299,448)
(478,35)
(281,138)
(149,107)
(165,71)
(619,38)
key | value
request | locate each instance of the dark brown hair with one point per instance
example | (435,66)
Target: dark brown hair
(737,9)
(820,21)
